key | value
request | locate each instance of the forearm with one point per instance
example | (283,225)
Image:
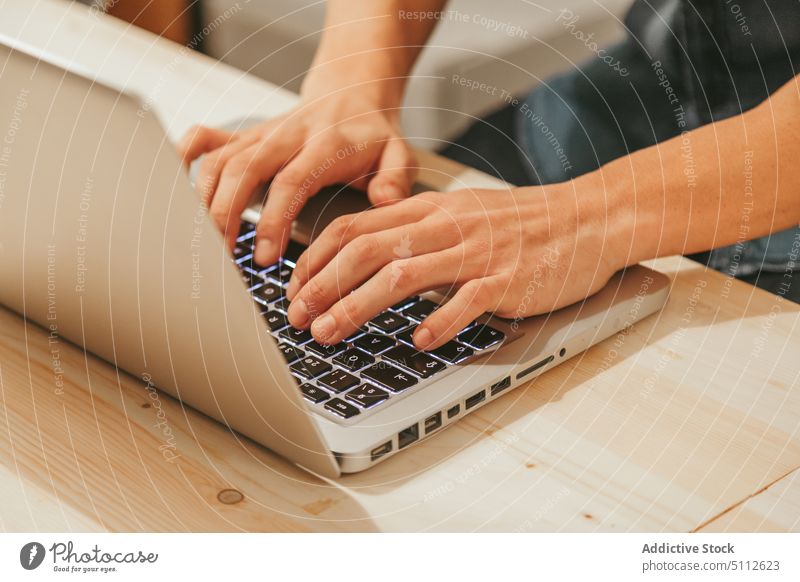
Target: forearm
(726,182)
(370,46)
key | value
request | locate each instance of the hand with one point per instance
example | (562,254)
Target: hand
(514,252)
(338,138)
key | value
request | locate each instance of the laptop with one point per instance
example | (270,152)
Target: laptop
(106,244)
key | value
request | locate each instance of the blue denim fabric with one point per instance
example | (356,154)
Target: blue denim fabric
(578,121)
(774,253)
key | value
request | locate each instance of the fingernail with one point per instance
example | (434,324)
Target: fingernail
(423,338)
(299,311)
(324,327)
(265,250)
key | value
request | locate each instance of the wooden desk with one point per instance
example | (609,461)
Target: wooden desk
(687,422)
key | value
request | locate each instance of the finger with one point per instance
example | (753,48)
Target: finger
(360,260)
(396,172)
(392,283)
(199,140)
(213,165)
(475,298)
(313,168)
(345,229)
(239,178)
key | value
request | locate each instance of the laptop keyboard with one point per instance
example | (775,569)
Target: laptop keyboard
(371,368)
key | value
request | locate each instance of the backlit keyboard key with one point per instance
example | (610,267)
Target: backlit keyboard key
(400,305)
(296,336)
(244,259)
(311,367)
(325,350)
(407,335)
(282,274)
(267,293)
(481,337)
(374,343)
(421,309)
(246,230)
(342,408)
(251,278)
(453,352)
(275,320)
(314,394)
(389,322)
(390,377)
(418,362)
(338,381)
(367,395)
(357,333)
(290,353)
(354,359)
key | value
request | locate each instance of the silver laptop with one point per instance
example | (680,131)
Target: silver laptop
(105,243)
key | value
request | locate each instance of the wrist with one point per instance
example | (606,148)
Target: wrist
(607,202)
(355,77)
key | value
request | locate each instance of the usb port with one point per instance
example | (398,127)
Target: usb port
(475,399)
(498,387)
(378,452)
(433,422)
(407,436)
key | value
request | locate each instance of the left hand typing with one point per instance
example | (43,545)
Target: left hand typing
(516,253)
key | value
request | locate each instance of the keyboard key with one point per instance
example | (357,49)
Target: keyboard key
(342,408)
(264,271)
(267,293)
(389,322)
(374,343)
(356,334)
(293,251)
(421,309)
(354,359)
(367,396)
(338,381)
(418,362)
(314,394)
(282,304)
(251,281)
(246,231)
(296,336)
(311,367)
(400,305)
(282,274)
(244,259)
(326,351)
(390,377)
(240,252)
(252,277)
(481,336)
(406,335)
(453,352)
(290,353)
(275,320)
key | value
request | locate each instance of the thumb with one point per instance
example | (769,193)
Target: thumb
(397,170)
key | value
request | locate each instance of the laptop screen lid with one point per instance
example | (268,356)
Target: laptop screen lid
(103,242)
